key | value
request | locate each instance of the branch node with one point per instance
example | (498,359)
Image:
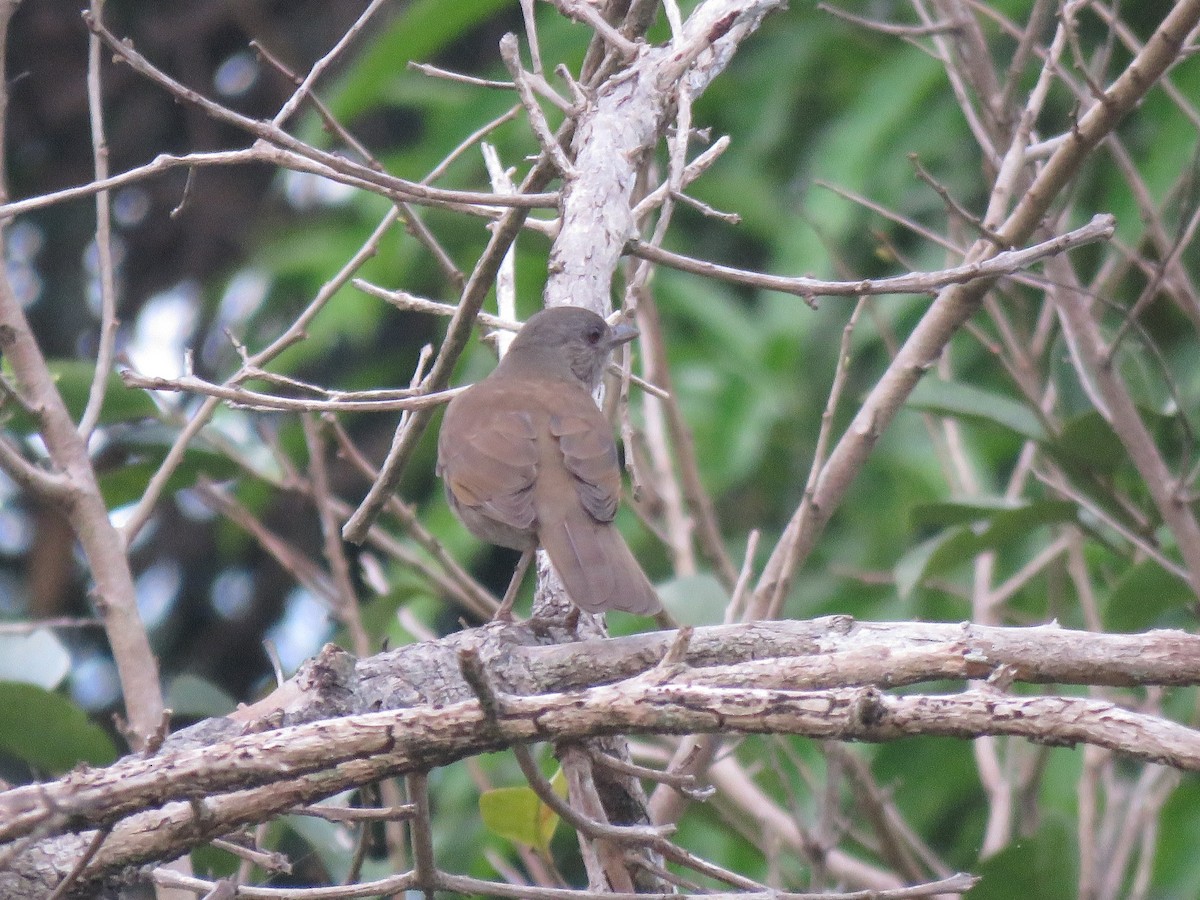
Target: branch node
(470,664)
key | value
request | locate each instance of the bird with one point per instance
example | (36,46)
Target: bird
(528,459)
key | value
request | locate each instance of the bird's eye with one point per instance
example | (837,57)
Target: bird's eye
(594,335)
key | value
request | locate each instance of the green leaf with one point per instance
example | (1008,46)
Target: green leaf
(73,378)
(1087,440)
(1146,597)
(1039,865)
(518,815)
(945,513)
(915,564)
(192,697)
(972,404)
(694,599)
(144,452)
(1010,524)
(1000,519)
(48,731)
(973,526)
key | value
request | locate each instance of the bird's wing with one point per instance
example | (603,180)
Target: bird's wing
(590,454)
(493,466)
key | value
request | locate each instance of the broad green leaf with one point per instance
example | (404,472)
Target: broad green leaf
(995,523)
(969,403)
(1001,521)
(958,512)
(1087,440)
(1041,865)
(694,599)
(1146,594)
(517,814)
(1010,524)
(192,697)
(73,378)
(910,570)
(48,731)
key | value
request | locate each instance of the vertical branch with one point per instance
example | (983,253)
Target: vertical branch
(506,277)
(698,499)
(615,133)
(104,256)
(345,600)
(84,506)
(424,863)
(769,598)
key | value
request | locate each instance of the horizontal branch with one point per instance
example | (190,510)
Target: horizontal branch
(309,762)
(467,886)
(256,400)
(466,201)
(1100,228)
(724,683)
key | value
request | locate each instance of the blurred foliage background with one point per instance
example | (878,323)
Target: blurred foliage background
(818,110)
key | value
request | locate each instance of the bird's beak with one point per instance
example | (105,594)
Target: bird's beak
(621,333)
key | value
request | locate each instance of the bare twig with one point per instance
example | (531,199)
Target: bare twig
(770,605)
(105,269)
(247,399)
(1006,263)
(293,333)
(345,597)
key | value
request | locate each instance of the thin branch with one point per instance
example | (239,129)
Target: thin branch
(1122,414)
(537,118)
(244,398)
(593,829)
(305,88)
(425,873)
(294,332)
(472,596)
(105,267)
(1101,228)
(272,134)
(32,478)
(770,605)
(892,28)
(345,597)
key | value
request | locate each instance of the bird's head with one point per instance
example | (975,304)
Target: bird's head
(568,339)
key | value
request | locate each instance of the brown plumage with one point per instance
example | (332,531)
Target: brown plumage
(528,458)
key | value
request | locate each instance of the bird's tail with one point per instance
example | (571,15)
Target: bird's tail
(596,566)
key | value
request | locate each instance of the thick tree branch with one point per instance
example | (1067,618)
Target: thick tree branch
(818,678)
